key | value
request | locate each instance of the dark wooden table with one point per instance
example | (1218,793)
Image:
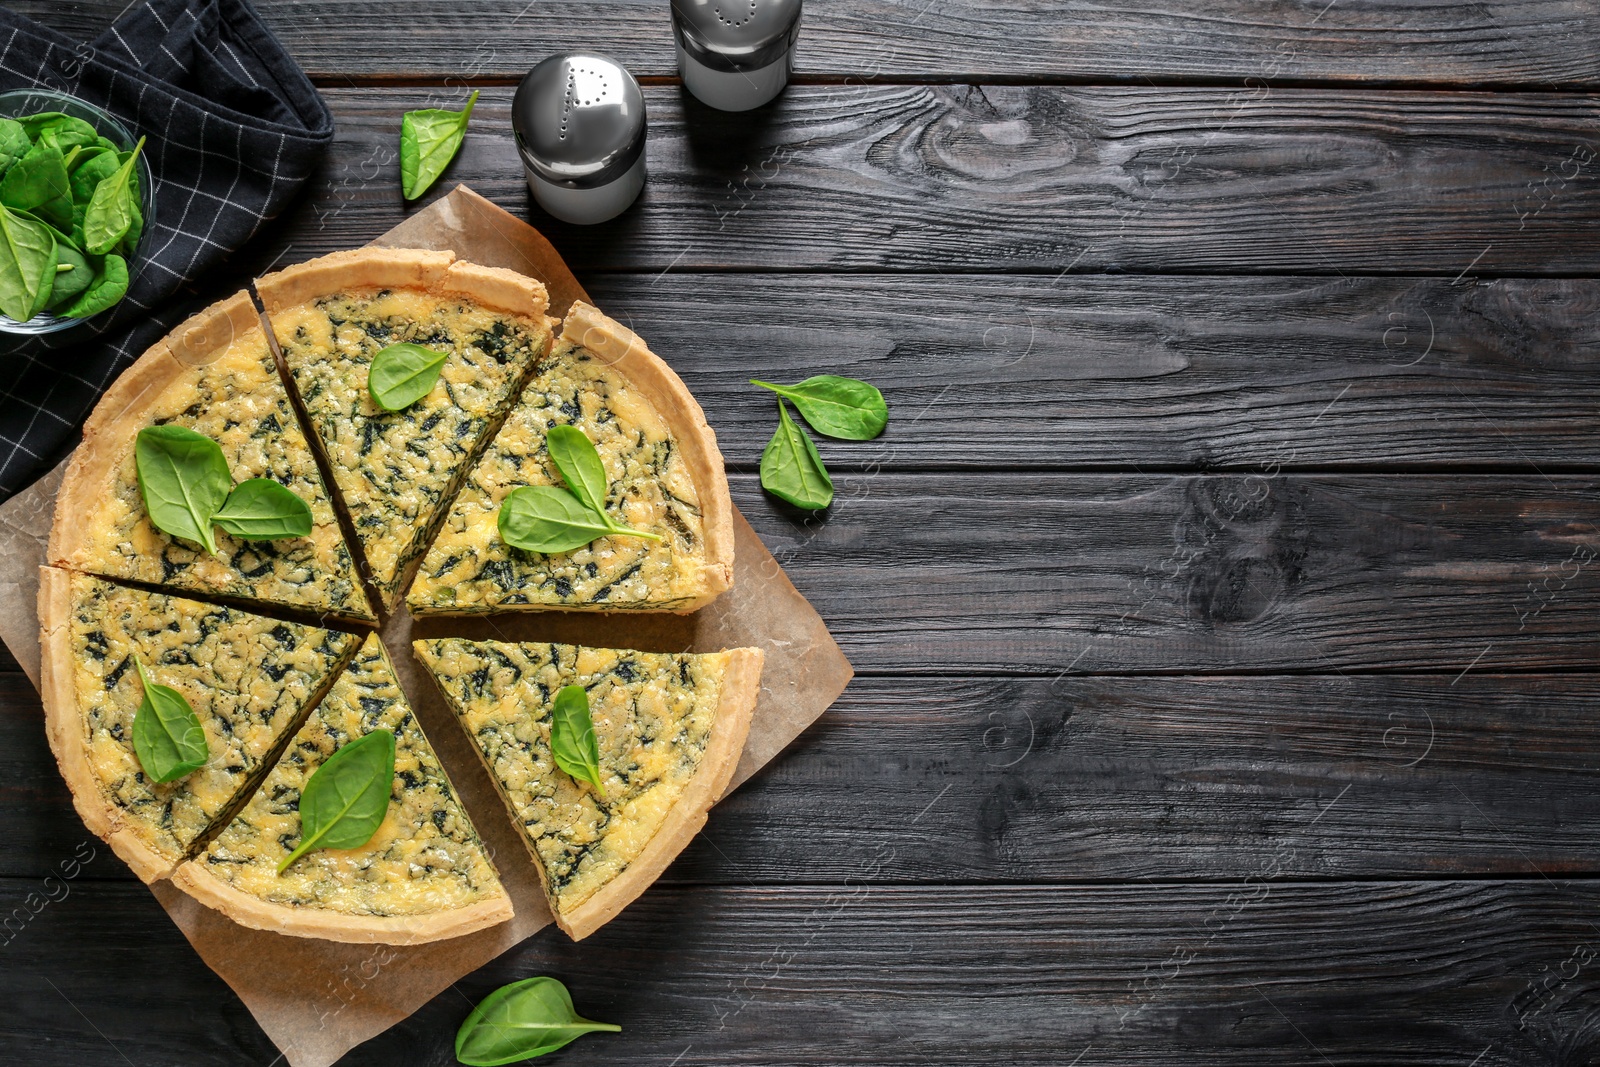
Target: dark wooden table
(1224,594)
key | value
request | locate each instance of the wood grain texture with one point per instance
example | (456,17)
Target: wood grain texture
(1080,373)
(1095,574)
(1451,973)
(974,781)
(1038,179)
(1541,42)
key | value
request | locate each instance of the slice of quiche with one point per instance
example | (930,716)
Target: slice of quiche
(424,876)
(670,728)
(397,470)
(214,374)
(249,679)
(664,473)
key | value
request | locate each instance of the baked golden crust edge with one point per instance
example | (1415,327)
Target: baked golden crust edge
(587,326)
(63,723)
(258,914)
(741,686)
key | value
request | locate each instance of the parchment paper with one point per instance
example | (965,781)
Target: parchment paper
(319,999)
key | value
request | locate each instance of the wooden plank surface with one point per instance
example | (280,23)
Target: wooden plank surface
(1444,973)
(1113,573)
(1444,42)
(1231,552)
(938,179)
(1081,373)
(980,780)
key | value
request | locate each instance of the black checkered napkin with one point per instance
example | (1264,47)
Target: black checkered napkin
(234,128)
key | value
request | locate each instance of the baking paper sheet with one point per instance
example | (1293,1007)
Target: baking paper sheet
(318,999)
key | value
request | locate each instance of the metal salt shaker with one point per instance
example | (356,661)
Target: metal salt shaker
(580,127)
(735,54)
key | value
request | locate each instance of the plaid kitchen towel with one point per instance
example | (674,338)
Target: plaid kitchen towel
(234,128)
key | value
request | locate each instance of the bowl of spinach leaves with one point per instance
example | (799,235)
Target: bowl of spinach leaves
(75,204)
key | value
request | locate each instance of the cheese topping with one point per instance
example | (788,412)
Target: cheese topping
(470,569)
(395,469)
(424,858)
(653,714)
(248,679)
(239,402)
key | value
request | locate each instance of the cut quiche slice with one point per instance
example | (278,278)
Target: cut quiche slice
(397,470)
(214,374)
(249,679)
(664,473)
(670,728)
(424,876)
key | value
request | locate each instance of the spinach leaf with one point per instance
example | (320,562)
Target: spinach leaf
(847,408)
(14,143)
(580,466)
(548,519)
(578,461)
(88,172)
(345,801)
(27,264)
(130,240)
(60,129)
(111,208)
(262,510)
(403,374)
(429,140)
(38,182)
(74,279)
(109,286)
(167,736)
(183,477)
(791,469)
(522,1020)
(572,740)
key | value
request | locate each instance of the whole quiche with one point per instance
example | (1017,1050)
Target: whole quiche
(214,695)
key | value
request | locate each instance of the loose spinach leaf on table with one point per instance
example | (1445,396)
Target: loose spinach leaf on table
(167,736)
(522,1020)
(548,519)
(847,408)
(110,285)
(403,374)
(260,509)
(38,183)
(345,801)
(429,140)
(112,206)
(791,469)
(572,741)
(27,264)
(183,477)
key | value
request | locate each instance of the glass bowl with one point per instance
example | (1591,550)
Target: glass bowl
(32,101)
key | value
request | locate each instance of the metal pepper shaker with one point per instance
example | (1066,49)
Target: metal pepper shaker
(735,54)
(580,127)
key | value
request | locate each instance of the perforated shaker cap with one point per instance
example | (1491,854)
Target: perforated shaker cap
(736,35)
(579,119)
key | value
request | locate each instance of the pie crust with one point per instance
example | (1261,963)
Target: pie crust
(587,327)
(259,914)
(368,270)
(63,725)
(741,685)
(124,410)
(198,879)
(200,341)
